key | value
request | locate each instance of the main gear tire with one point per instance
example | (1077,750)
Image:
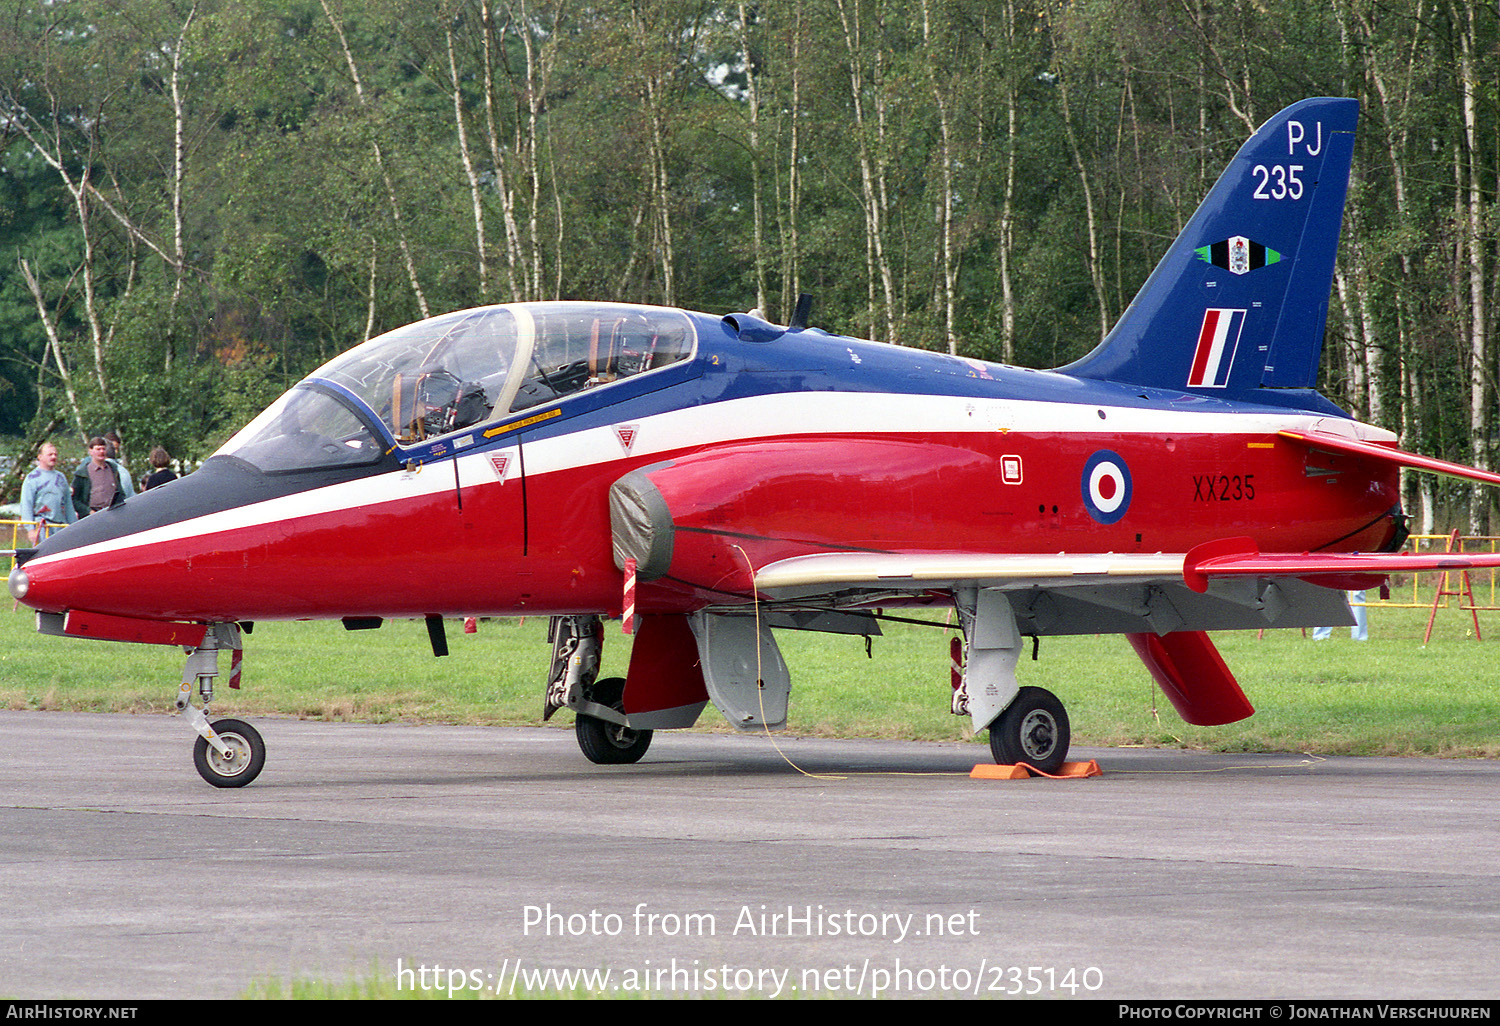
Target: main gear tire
(610,744)
(1033,729)
(604,743)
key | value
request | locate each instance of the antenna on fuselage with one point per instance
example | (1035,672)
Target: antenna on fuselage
(801,313)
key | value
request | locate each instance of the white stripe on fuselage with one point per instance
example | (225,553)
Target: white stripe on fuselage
(754,417)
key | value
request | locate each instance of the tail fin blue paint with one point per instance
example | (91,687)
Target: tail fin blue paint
(1238,305)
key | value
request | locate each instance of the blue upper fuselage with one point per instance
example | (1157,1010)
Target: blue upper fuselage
(739,356)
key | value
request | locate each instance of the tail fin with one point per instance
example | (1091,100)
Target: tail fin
(1240,301)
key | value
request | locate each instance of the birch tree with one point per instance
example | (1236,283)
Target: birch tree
(398,218)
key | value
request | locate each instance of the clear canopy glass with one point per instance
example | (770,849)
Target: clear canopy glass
(458,370)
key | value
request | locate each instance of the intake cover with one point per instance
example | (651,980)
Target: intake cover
(641,524)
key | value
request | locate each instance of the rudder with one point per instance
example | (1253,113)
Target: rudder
(1240,301)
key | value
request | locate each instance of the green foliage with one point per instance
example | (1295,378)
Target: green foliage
(313,211)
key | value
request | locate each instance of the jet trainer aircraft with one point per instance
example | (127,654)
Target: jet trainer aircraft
(714,478)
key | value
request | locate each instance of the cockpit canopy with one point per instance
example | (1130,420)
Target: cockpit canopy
(455,371)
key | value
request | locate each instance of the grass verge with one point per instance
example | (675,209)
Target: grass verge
(1388,696)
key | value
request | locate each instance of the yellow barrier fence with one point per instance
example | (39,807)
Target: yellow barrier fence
(15,532)
(1445,589)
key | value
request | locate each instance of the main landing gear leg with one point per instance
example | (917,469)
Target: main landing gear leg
(229,753)
(1026,725)
(598,705)
(577,643)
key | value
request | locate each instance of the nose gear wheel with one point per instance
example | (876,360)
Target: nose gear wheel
(246,758)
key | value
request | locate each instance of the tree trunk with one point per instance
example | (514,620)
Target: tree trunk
(397,219)
(54,345)
(461,130)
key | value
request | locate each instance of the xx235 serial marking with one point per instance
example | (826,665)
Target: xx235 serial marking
(1223,487)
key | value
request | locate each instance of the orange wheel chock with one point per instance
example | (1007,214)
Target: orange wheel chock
(1024,771)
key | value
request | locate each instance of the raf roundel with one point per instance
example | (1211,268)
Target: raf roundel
(1106,486)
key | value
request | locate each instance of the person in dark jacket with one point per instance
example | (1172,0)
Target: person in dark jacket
(99,482)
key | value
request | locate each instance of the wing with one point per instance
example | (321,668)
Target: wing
(1146,597)
(942,570)
(1223,585)
(1061,593)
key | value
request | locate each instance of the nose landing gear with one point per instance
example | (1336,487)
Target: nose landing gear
(228,753)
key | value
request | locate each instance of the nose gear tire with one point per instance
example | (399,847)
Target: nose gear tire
(247,755)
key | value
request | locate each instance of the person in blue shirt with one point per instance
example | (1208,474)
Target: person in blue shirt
(46,498)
